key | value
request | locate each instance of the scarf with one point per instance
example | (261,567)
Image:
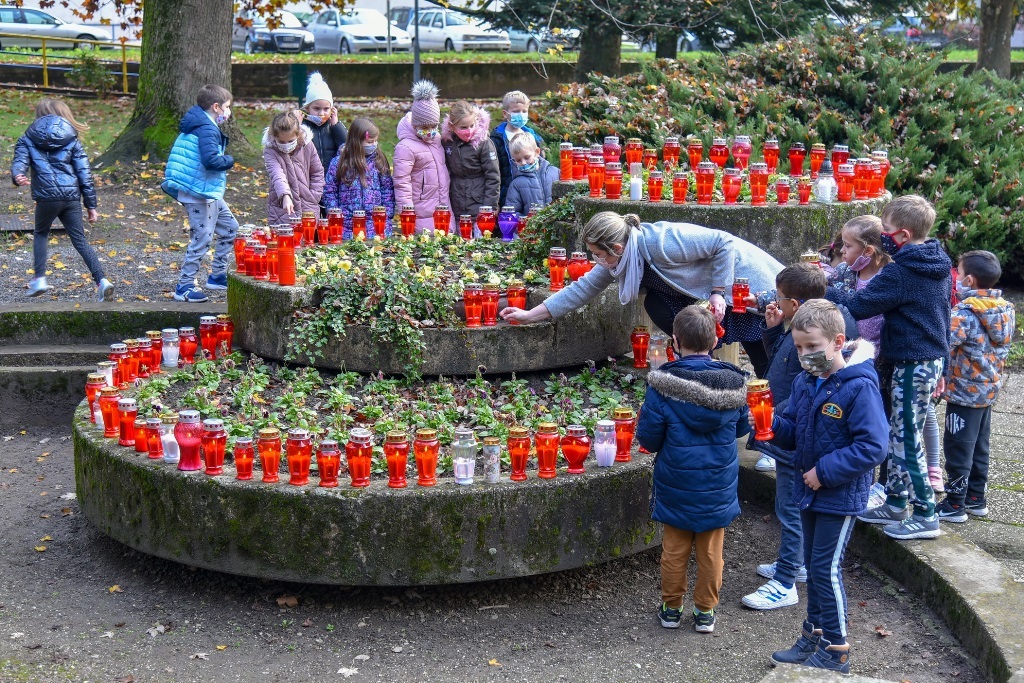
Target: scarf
(629,270)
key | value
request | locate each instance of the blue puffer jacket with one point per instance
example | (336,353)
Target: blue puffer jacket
(197,163)
(531,187)
(839,428)
(695,409)
(51,152)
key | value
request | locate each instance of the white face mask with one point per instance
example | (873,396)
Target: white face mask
(287,147)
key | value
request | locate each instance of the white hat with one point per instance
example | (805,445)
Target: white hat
(316,89)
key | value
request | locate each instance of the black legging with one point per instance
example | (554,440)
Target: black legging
(661,314)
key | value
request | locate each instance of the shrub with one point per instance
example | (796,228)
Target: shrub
(953,138)
(91,73)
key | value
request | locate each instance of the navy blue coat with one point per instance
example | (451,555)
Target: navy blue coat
(913,293)
(695,409)
(51,153)
(839,428)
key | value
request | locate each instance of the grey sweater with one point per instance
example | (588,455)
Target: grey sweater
(691,258)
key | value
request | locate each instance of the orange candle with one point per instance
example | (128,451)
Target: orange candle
(518,451)
(328,463)
(575,448)
(299,451)
(565,161)
(625,425)
(489,305)
(214,441)
(759,399)
(269,447)
(472,298)
(359,452)
(396,450)
(243,456)
(546,441)
(425,449)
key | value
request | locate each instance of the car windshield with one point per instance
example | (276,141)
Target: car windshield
(455,20)
(286,19)
(366,16)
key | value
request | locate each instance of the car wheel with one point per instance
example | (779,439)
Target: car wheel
(532,46)
(449,46)
(249,47)
(343,48)
(85,46)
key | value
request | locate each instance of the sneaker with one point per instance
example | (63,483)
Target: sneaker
(37,286)
(804,647)
(914,527)
(771,595)
(703,622)
(830,657)
(189,293)
(951,512)
(765,463)
(976,507)
(671,617)
(768,572)
(884,514)
(935,479)
(876,496)
(104,290)
(217,281)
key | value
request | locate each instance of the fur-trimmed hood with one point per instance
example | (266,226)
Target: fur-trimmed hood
(304,139)
(713,388)
(480,133)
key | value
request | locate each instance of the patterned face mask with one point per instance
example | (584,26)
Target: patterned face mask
(889,245)
(426,134)
(816,362)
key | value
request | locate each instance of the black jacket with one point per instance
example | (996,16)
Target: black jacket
(51,151)
(328,140)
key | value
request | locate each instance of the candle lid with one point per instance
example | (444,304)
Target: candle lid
(492,287)
(153,422)
(269,433)
(379,209)
(213,425)
(284,231)
(818,146)
(153,334)
(880,154)
(623,413)
(671,138)
(784,181)
(707,166)
(397,437)
(94,377)
(105,364)
(145,343)
(633,141)
(757,385)
(810,257)
(492,441)
(826,168)
(244,230)
(109,391)
(186,330)
(742,138)
(508,209)
(595,148)
(605,424)
(649,151)
(474,285)
(426,434)
(207,320)
(557,252)
(486,209)
(717,141)
(169,419)
(613,166)
(679,174)
(576,430)
(334,212)
(358,213)
(732,171)
(694,141)
(244,440)
(360,435)
(294,219)
(131,343)
(579,150)
(613,139)
(740,281)
(840,148)
(640,329)
(565,145)
(308,214)
(328,445)
(118,348)
(516,284)
(463,433)
(759,167)
(261,248)
(408,207)
(188,416)
(796,145)
(547,428)
(656,174)
(518,432)
(298,433)
(126,403)
(771,143)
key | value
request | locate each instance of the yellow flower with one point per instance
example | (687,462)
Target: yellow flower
(487,234)
(360,237)
(469,274)
(453,249)
(477,256)
(494,279)
(529,273)
(409,263)
(426,271)
(345,265)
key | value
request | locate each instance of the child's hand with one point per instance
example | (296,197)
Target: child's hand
(750,419)
(288,205)
(21,180)
(773,315)
(717,303)
(940,388)
(91,215)
(811,479)
(334,116)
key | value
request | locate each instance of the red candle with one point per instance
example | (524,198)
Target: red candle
(546,441)
(759,399)
(323,231)
(719,153)
(575,448)
(189,435)
(299,451)
(782,190)
(705,182)
(466,226)
(565,161)
(625,425)
(655,184)
(650,158)
(308,226)
(518,451)
(241,235)
(578,265)
(556,268)
(295,223)
(442,218)
(250,256)
(695,150)
(328,463)
(797,154)
(127,411)
(613,180)
(732,180)
(486,220)
(262,265)
(803,188)
(680,186)
(94,383)
(844,182)
(261,235)
(491,296)
(840,155)
(882,157)
(758,183)
(640,339)
(214,440)
(225,334)
(634,151)
(359,452)
(579,163)
(612,150)
(380,221)
(595,175)
(396,450)
(131,361)
(472,298)
(269,448)
(817,158)
(740,292)
(273,261)
(285,256)
(156,350)
(862,178)
(771,155)
(187,346)
(208,335)
(154,440)
(335,225)
(244,454)
(670,152)
(359,224)
(425,448)
(109,397)
(407,219)
(516,294)
(741,150)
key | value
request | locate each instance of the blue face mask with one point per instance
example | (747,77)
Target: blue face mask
(369,149)
(314,119)
(889,245)
(517,120)
(529,168)
(961,289)
(221,119)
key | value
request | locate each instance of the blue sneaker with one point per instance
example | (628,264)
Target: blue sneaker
(670,617)
(703,622)
(830,657)
(217,281)
(189,293)
(801,651)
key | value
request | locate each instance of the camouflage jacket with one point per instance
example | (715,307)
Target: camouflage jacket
(980,332)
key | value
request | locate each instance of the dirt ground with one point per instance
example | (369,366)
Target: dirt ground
(76,606)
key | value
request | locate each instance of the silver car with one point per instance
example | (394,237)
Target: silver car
(358,30)
(33,24)
(251,34)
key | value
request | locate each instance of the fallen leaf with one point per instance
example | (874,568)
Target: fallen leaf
(44,516)
(287,601)
(307,623)
(40,548)
(361,658)
(347,671)
(68,496)
(46,538)
(115,589)
(222,647)
(396,648)
(882,633)
(154,631)
(493,662)
(65,512)
(16,635)
(200,655)
(107,634)
(125,679)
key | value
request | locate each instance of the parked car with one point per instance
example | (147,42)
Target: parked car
(686,42)
(909,26)
(543,38)
(445,29)
(358,30)
(32,23)
(289,36)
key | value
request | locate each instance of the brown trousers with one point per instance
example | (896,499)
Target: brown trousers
(676,545)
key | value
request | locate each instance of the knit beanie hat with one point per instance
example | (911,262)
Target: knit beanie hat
(316,89)
(425,109)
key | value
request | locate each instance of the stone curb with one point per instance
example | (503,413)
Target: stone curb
(40,396)
(973,593)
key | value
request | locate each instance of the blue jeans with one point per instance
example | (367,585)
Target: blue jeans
(825,539)
(791,549)
(205,219)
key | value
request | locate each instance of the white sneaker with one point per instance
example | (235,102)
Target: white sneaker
(37,286)
(876,495)
(768,572)
(104,290)
(765,463)
(771,595)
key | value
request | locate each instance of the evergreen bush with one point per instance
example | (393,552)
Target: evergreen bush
(953,138)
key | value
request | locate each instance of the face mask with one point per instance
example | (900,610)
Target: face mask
(314,119)
(961,289)
(816,363)
(529,168)
(287,147)
(517,120)
(426,134)
(889,245)
(860,263)
(221,118)
(369,149)
(465,135)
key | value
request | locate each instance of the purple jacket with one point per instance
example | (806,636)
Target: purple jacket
(353,196)
(421,177)
(298,174)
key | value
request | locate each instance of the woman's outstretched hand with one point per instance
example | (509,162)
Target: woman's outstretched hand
(717,302)
(513,314)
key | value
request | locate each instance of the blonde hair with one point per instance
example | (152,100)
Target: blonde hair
(460,110)
(912,213)
(608,228)
(514,97)
(820,314)
(522,142)
(285,123)
(867,232)
(51,107)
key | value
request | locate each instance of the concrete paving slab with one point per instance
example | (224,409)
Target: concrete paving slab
(785,673)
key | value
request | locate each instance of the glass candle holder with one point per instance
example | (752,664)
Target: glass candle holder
(260,259)
(575,448)
(140,435)
(261,235)
(492,459)
(719,152)
(214,442)
(613,180)
(844,182)
(145,355)
(862,178)
(705,174)
(670,153)
(466,226)
(396,452)
(299,452)
(759,399)
(797,154)
(127,411)
(595,175)
(309,226)
(741,150)
(286,257)
(612,149)
(208,335)
(189,435)
(473,298)
(134,359)
(803,188)
(656,352)
(732,181)
(188,344)
(108,369)
(359,453)
(119,354)
(269,448)
(840,155)
(649,159)
(556,268)
(156,347)
(604,443)
(407,219)
(425,448)
(680,186)
(546,443)
(782,190)
(518,444)
(168,422)
(358,224)
(244,454)
(379,220)
(770,150)
(109,397)
(486,220)
(695,152)
(241,235)
(442,218)
(596,150)
(516,294)
(250,256)
(640,338)
(94,383)
(625,426)
(295,222)
(579,163)
(882,157)
(634,151)
(740,291)
(323,230)
(225,334)
(655,185)
(328,463)
(508,221)
(335,225)
(464,456)
(577,267)
(489,305)
(817,157)
(758,183)
(565,161)
(154,440)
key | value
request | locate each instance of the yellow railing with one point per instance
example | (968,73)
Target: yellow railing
(71,43)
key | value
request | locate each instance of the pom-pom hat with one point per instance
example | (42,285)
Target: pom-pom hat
(316,89)
(425,109)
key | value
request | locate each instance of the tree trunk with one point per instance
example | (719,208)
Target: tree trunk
(666,45)
(997,18)
(600,50)
(185,45)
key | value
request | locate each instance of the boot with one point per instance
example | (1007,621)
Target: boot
(830,657)
(805,646)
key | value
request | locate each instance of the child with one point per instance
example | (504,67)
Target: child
(421,177)
(534,175)
(835,425)
(516,112)
(296,177)
(471,160)
(913,294)
(831,255)
(320,117)
(693,413)
(359,178)
(860,245)
(61,182)
(980,334)
(195,175)
(795,285)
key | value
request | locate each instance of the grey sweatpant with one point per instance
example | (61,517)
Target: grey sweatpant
(206,219)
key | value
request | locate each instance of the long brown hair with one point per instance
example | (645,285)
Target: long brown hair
(352,161)
(51,107)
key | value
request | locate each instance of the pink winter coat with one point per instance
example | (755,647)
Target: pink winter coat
(421,177)
(298,174)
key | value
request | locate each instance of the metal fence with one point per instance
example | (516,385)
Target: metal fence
(50,62)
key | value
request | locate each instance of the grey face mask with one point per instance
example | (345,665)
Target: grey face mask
(816,362)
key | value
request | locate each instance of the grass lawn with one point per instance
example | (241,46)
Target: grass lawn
(972,56)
